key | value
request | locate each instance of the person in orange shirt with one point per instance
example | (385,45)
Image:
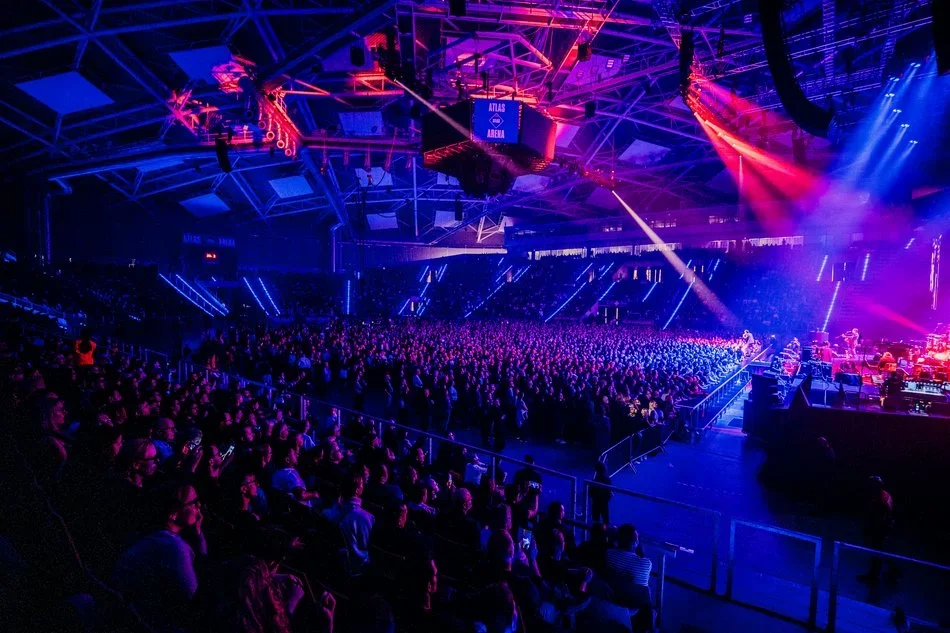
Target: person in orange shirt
(85,349)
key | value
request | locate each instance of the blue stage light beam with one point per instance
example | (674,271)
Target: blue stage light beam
(877,179)
(607,291)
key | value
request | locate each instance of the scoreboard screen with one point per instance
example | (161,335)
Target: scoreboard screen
(496,120)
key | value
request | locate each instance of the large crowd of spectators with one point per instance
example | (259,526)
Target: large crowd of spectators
(138,500)
(560,382)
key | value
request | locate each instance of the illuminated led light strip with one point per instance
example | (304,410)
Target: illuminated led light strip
(683,274)
(821,271)
(607,292)
(566,302)
(190,287)
(520,273)
(500,286)
(423,275)
(606,271)
(589,266)
(831,307)
(207,294)
(254,294)
(678,305)
(864,270)
(442,270)
(348,286)
(423,293)
(178,290)
(649,292)
(910,243)
(267,294)
(504,273)
(404,306)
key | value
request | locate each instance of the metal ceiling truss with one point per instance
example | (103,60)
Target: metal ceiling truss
(529,50)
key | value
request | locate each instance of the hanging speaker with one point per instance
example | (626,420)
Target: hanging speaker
(221,151)
(457,8)
(941,27)
(357,55)
(584,52)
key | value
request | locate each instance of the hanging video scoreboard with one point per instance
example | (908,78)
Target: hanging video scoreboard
(496,120)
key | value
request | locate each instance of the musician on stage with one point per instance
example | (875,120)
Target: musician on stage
(748,341)
(851,343)
(825,353)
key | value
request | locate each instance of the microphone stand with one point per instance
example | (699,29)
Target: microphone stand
(864,360)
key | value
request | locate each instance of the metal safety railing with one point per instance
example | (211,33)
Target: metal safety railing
(938,589)
(700,416)
(635,447)
(811,620)
(662,550)
(659,520)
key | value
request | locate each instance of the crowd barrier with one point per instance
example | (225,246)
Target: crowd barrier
(785,593)
(635,447)
(677,521)
(922,595)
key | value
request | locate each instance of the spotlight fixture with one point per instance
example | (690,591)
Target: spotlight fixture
(913,142)
(889,95)
(905,125)
(896,111)
(916,65)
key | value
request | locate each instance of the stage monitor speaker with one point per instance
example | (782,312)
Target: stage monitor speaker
(221,151)
(851,380)
(457,8)
(941,27)
(358,56)
(806,354)
(764,388)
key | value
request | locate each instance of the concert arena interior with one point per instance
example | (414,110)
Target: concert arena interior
(474,316)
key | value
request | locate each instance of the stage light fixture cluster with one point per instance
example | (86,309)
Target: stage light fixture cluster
(905,125)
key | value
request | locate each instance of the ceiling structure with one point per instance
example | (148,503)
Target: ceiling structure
(133,94)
